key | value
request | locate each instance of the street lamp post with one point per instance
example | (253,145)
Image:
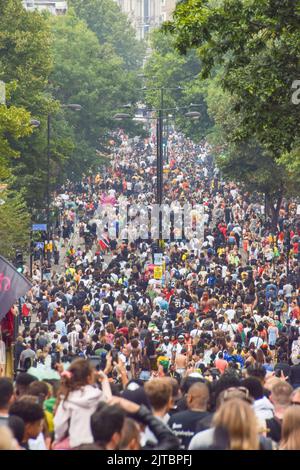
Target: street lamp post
(288,249)
(34,123)
(48,174)
(159,151)
(163,131)
(160,168)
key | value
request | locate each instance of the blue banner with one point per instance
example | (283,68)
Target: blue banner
(39,227)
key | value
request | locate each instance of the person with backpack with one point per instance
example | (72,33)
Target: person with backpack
(106,310)
(96,304)
(27,357)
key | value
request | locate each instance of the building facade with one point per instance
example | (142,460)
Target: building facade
(56,8)
(146,15)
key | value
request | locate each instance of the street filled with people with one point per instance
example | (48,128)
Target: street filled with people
(131,340)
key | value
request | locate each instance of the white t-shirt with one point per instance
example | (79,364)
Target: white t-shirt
(210,239)
(232,329)
(257,341)
(38,443)
(177,348)
(223,326)
(167,349)
(230,313)
(195,333)
(224,271)
(287,290)
(257,318)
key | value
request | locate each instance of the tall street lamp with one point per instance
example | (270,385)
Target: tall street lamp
(287,243)
(162,90)
(159,151)
(35,124)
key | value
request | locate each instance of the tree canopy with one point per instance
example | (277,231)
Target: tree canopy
(253,47)
(47,62)
(177,74)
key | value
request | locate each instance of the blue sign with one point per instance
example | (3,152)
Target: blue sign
(39,227)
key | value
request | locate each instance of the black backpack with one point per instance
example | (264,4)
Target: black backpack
(135,307)
(97,306)
(27,363)
(106,310)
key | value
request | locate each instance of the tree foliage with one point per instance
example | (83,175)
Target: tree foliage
(14,223)
(111,26)
(254,48)
(47,62)
(93,75)
(177,74)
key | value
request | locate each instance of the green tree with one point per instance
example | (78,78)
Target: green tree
(25,65)
(93,75)
(177,74)
(14,217)
(25,54)
(257,45)
(111,26)
(14,223)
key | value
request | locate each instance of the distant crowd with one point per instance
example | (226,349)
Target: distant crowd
(204,356)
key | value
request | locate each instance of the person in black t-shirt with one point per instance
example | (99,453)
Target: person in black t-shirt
(183,424)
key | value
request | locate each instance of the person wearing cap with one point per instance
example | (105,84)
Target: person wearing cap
(167,347)
(180,343)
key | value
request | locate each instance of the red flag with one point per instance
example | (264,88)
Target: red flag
(103,244)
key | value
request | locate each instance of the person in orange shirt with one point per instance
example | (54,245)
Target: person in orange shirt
(281,237)
(220,363)
(295,312)
(77,277)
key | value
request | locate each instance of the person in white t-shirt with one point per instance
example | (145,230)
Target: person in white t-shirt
(257,317)
(196,331)
(256,340)
(167,347)
(230,312)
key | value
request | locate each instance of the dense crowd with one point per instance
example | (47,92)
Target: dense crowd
(206,356)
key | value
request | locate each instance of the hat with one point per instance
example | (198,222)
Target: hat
(166,337)
(180,337)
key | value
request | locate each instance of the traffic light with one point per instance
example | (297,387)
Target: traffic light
(19,261)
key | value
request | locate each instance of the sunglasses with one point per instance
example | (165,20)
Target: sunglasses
(295,403)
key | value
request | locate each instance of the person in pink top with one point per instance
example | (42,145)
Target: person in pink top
(220,363)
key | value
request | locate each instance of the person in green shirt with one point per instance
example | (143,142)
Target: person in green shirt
(278,323)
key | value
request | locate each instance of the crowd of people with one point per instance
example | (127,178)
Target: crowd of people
(204,356)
